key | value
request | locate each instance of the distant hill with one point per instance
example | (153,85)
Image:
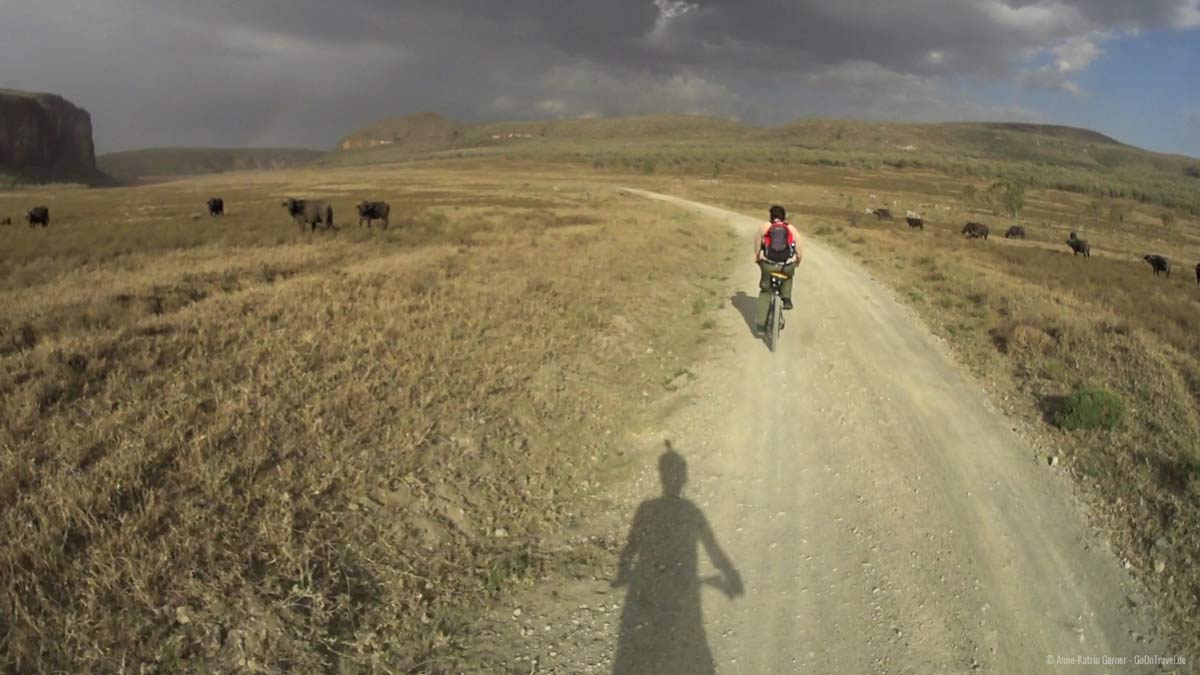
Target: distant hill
(1013,141)
(1045,155)
(426,132)
(153,164)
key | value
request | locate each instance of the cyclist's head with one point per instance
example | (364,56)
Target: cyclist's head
(777,213)
(672,470)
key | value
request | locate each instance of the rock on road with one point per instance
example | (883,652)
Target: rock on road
(881,516)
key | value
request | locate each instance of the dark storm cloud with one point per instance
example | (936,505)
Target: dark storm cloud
(229,72)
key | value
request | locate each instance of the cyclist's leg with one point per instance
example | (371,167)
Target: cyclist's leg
(764,293)
(785,289)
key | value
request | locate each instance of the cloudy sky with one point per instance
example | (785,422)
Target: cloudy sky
(305,72)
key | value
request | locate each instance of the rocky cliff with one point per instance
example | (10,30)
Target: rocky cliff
(423,131)
(45,137)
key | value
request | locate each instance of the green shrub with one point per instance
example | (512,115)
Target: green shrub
(1090,408)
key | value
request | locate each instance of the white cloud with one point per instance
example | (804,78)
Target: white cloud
(869,91)
(1187,15)
(1068,57)
(669,12)
(1034,18)
(589,87)
(1077,53)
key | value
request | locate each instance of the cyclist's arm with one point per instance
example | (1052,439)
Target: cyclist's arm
(799,244)
(758,241)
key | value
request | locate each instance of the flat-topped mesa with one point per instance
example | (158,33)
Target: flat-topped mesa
(44,136)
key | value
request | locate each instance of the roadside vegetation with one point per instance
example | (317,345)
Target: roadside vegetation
(228,446)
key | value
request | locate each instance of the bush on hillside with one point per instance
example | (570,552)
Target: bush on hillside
(1090,408)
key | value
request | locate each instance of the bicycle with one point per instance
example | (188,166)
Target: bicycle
(775,320)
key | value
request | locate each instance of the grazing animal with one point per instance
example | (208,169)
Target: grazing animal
(369,211)
(1198,274)
(38,215)
(976,230)
(216,206)
(1015,232)
(310,214)
(882,214)
(1079,246)
(1159,263)
(914,220)
(6,221)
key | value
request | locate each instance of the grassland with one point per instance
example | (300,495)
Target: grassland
(270,451)
(229,446)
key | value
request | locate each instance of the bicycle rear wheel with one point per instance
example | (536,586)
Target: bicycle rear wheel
(774,322)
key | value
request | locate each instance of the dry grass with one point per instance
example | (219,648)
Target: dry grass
(283,453)
(228,446)
(1035,324)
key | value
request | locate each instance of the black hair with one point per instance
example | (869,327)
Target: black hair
(777,213)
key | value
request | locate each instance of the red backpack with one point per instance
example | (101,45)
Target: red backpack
(778,242)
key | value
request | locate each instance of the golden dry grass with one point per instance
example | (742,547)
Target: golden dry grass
(229,446)
(310,444)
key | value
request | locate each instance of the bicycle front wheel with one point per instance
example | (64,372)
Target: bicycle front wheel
(774,322)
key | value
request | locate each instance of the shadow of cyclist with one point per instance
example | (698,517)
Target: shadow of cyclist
(747,306)
(662,627)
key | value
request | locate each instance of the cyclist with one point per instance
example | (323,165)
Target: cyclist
(777,249)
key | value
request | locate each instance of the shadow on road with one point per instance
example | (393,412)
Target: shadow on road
(662,626)
(747,306)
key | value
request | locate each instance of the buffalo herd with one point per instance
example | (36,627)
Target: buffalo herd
(972,230)
(310,215)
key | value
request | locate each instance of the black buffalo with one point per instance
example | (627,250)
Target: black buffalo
(882,214)
(1015,232)
(915,223)
(369,211)
(1198,274)
(216,206)
(1159,263)
(6,221)
(38,215)
(1079,246)
(976,230)
(310,214)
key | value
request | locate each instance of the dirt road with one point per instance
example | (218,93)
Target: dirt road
(881,517)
